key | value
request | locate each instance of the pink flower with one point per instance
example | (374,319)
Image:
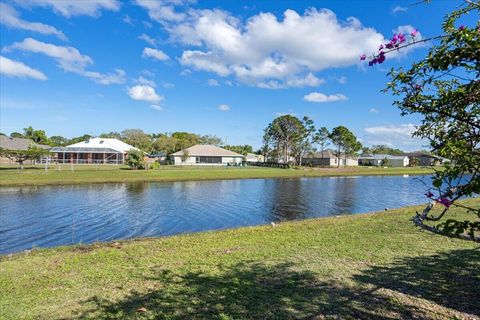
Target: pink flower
(414,33)
(363,57)
(429,194)
(381,47)
(381,57)
(446,203)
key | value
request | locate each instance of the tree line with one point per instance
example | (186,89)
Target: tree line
(166,143)
(289,139)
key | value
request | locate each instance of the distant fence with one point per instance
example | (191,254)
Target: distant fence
(269,164)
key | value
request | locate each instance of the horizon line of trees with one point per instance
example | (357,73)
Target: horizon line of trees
(287,137)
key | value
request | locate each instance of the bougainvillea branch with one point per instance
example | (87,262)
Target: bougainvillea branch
(444,88)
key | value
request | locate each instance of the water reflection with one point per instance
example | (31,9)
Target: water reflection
(51,216)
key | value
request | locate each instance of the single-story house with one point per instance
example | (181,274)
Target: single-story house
(9,143)
(426,160)
(201,154)
(328,158)
(94,151)
(252,157)
(378,160)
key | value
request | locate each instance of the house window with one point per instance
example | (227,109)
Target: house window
(209,159)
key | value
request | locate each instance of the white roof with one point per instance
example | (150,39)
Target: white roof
(207,150)
(382,156)
(101,143)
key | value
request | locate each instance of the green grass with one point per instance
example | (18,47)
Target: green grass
(10,176)
(370,266)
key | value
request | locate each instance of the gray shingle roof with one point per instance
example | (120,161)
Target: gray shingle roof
(207,150)
(10,143)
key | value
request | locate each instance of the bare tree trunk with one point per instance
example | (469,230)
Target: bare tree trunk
(338,157)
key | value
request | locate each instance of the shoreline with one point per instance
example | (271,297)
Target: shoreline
(316,264)
(39,177)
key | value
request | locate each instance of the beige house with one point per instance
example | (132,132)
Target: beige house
(206,155)
(252,157)
(22,144)
(329,158)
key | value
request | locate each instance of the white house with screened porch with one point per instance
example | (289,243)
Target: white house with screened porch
(207,155)
(93,151)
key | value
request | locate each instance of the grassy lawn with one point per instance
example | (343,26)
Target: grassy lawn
(370,266)
(10,176)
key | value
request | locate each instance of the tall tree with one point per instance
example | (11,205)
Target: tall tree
(322,137)
(345,142)
(241,149)
(57,141)
(306,144)
(286,132)
(210,139)
(37,136)
(111,134)
(138,139)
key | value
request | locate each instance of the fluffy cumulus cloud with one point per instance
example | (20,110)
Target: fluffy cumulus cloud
(399,136)
(68,9)
(265,50)
(11,18)
(155,54)
(224,107)
(69,59)
(11,68)
(144,93)
(322,98)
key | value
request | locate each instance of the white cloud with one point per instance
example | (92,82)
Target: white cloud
(398,9)
(144,93)
(373,110)
(156,107)
(342,80)
(117,77)
(148,39)
(212,83)
(168,85)
(321,97)
(13,68)
(68,9)
(143,80)
(254,51)
(154,53)
(397,130)
(11,18)
(399,136)
(128,20)
(162,10)
(69,59)
(224,107)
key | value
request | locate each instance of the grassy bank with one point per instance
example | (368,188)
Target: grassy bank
(371,266)
(10,176)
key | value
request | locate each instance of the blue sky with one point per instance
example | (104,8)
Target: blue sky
(216,67)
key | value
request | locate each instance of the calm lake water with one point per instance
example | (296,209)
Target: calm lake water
(62,215)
